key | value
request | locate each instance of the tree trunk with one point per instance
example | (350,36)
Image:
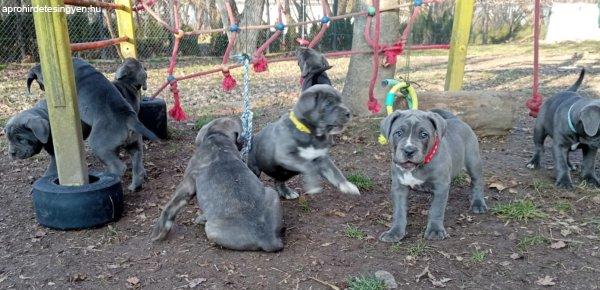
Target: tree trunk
(247,40)
(356,87)
(223,12)
(342,5)
(489,113)
(288,12)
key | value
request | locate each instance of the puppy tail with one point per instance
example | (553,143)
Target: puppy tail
(135,125)
(576,85)
(445,114)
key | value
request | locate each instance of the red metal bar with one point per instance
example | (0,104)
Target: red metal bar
(233,35)
(535,102)
(93,3)
(157,17)
(98,44)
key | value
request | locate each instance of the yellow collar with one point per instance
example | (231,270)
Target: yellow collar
(301,127)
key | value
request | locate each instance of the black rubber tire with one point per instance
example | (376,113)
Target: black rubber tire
(153,114)
(78,207)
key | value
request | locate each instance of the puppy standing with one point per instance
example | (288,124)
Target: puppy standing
(572,121)
(238,211)
(102,108)
(130,79)
(299,142)
(429,149)
(313,66)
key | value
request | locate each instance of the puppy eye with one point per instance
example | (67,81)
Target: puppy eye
(398,133)
(423,135)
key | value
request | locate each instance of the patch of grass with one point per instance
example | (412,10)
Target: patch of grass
(3,122)
(518,210)
(365,283)
(531,241)
(2,67)
(396,247)
(174,133)
(461,180)
(479,256)
(362,181)
(562,206)
(541,186)
(203,121)
(303,202)
(354,232)
(418,249)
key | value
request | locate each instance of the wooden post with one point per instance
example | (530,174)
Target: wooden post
(126,28)
(461,28)
(57,69)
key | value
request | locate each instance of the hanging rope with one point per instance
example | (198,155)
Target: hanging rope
(535,102)
(247,112)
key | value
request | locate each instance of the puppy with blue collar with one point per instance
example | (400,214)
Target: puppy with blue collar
(572,121)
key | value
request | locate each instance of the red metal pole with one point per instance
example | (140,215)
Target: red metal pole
(97,44)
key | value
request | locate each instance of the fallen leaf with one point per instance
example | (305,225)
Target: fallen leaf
(194,283)
(338,213)
(512,191)
(326,244)
(133,280)
(425,273)
(565,232)
(546,281)
(512,236)
(40,233)
(505,263)
(516,256)
(558,245)
(459,258)
(497,185)
(440,283)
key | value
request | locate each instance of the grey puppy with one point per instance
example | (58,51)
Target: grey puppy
(238,211)
(103,108)
(572,121)
(299,142)
(28,133)
(130,79)
(313,66)
(429,149)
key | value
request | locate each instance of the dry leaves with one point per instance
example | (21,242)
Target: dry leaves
(497,185)
(546,281)
(133,280)
(516,256)
(436,283)
(194,283)
(558,245)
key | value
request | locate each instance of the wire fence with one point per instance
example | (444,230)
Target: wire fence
(18,39)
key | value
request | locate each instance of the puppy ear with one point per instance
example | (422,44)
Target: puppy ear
(590,118)
(438,122)
(238,130)
(385,127)
(33,75)
(40,129)
(202,132)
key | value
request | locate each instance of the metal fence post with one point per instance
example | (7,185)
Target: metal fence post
(57,68)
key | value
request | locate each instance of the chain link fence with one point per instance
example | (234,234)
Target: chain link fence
(18,39)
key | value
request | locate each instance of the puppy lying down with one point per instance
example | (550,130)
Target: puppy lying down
(238,212)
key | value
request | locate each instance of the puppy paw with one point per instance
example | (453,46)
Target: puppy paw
(532,166)
(133,187)
(392,236)
(314,190)
(200,219)
(348,187)
(161,230)
(286,192)
(564,183)
(435,232)
(478,206)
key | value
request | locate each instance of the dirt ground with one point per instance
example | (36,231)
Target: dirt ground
(331,238)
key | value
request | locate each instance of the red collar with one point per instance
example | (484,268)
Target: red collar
(433,151)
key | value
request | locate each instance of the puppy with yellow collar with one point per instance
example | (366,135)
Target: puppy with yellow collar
(299,142)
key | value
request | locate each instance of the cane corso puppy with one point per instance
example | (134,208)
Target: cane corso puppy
(103,108)
(299,142)
(238,212)
(572,121)
(428,150)
(130,79)
(313,66)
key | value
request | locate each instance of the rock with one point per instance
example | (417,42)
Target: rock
(387,279)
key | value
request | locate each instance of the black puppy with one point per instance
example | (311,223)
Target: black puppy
(572,121)
(313,66)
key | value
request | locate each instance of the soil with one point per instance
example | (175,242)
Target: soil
(484,251)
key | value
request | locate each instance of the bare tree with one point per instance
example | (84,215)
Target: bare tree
(356,87)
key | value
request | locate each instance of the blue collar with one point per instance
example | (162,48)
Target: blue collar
(569,119)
